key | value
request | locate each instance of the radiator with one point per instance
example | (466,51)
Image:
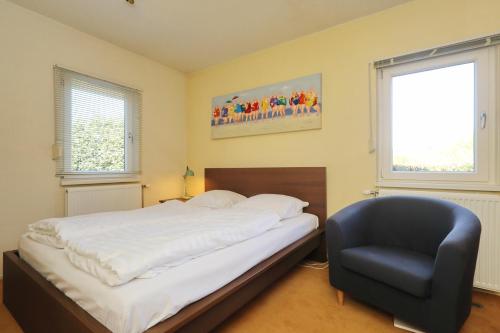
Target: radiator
(487,208)
(93,199)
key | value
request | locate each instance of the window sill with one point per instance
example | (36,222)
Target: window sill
(439,186)
(70,181)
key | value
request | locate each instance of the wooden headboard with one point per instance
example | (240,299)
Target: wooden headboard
(305,183)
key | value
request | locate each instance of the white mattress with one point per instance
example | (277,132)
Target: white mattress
(142,303)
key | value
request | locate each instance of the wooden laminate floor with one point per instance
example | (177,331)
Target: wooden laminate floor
(303,301)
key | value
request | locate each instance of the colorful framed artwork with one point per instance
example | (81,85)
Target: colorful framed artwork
(294,105)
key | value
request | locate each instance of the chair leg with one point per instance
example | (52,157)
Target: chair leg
(340,297)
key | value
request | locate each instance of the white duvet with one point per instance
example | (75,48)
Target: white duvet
(56,232)
(140,304)
(140,250)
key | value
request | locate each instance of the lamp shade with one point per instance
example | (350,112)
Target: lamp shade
(189,172)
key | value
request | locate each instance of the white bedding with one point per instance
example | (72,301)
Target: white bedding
(145,249)
(142,303)
(57,232)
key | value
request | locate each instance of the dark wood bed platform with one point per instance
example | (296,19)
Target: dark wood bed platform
(40,307)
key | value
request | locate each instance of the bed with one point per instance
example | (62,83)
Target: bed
(39,306)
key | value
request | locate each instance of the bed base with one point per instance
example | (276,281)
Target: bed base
(40,307)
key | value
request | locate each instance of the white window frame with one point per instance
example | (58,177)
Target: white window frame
(487,140)
(62,152)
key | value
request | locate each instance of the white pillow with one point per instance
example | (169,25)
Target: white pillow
(216,199)
(283,205)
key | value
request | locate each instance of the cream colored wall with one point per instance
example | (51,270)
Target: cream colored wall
(30,45)
(342,55)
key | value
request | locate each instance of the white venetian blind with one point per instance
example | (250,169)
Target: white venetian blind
(98,126)
(468,45)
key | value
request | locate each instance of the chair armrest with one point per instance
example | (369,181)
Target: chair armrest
(348,227)
(457,252)
(454,267)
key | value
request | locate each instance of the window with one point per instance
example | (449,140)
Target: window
(97,127)
(428,100)
(437,121)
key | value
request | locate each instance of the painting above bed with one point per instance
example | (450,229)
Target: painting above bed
(293,105)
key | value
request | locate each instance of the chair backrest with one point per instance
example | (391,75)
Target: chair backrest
(414,223)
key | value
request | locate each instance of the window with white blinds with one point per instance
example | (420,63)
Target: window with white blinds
(98,126)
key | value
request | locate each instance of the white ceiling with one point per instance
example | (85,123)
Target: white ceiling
(192,34)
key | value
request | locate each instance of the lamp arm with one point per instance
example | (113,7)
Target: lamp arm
(185,187)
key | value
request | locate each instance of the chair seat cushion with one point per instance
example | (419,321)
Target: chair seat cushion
(402,269)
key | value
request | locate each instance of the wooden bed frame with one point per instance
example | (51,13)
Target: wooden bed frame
(39,307)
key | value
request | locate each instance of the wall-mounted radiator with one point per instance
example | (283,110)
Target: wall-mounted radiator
(103,198)
(487,208)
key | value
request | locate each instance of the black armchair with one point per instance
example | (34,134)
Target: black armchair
(413,257)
